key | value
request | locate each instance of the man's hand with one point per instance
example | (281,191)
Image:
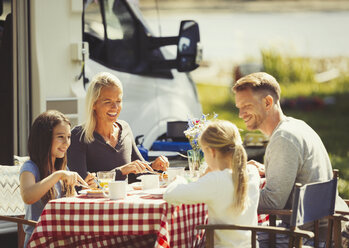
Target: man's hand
(259,166)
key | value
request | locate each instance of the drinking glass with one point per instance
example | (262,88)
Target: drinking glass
(104,177)
(194,162)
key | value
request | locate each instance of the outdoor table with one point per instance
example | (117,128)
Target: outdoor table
(132,222)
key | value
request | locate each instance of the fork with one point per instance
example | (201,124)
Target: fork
(148,171)
(96,181)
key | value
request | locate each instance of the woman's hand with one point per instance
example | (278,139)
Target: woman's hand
(259,166)
(160,163)
(91,179)
(136,167)
(72,178)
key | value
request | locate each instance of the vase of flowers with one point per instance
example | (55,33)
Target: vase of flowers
(195,156)
(194,160)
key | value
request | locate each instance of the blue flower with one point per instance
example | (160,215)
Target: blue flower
(195,128)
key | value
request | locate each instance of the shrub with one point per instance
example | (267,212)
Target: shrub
(286,68)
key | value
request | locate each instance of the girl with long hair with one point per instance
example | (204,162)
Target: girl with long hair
(230,188)
(45,175)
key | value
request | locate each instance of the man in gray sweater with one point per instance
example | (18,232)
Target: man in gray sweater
(295,153)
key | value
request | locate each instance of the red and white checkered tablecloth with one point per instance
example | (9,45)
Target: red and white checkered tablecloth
(262,217)
(133,222)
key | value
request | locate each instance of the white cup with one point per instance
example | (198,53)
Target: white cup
(150,182)
(172,172)
(117,190)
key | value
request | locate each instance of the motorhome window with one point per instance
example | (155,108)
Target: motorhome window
(117,39)
(93,21)
(114,45)
(119,22)
(6,9)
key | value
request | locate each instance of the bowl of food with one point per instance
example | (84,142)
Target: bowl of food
(136,186)
(163,176)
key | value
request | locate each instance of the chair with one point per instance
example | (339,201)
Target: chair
(336,223)
(345,232)
(308,205)
(11,204)
(333,226)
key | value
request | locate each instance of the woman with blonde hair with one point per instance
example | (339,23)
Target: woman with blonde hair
(230,188)
(103,142)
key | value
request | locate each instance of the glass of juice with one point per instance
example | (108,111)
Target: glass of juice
(104,177)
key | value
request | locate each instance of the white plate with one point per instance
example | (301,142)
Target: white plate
(165,153)
(95,194)
(85,191)
(156,192)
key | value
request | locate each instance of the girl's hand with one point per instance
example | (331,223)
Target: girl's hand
(136,167)
(72,178)
(91,179)
(32,191)
(208,169)
(160,163)
(259,166)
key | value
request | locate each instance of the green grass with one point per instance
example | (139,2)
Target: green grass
(331,122)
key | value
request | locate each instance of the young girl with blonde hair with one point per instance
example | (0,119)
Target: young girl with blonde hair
(230,188)
(45,175)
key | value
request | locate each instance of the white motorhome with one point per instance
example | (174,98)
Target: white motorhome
(50,50)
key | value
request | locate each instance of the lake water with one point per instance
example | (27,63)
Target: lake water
(238,36)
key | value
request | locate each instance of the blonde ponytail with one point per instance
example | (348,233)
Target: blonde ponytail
(240,178)
(225,138)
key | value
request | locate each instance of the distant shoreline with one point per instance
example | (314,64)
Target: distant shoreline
(250,6)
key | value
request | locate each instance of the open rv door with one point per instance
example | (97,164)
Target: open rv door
(14,80)
(36,57)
